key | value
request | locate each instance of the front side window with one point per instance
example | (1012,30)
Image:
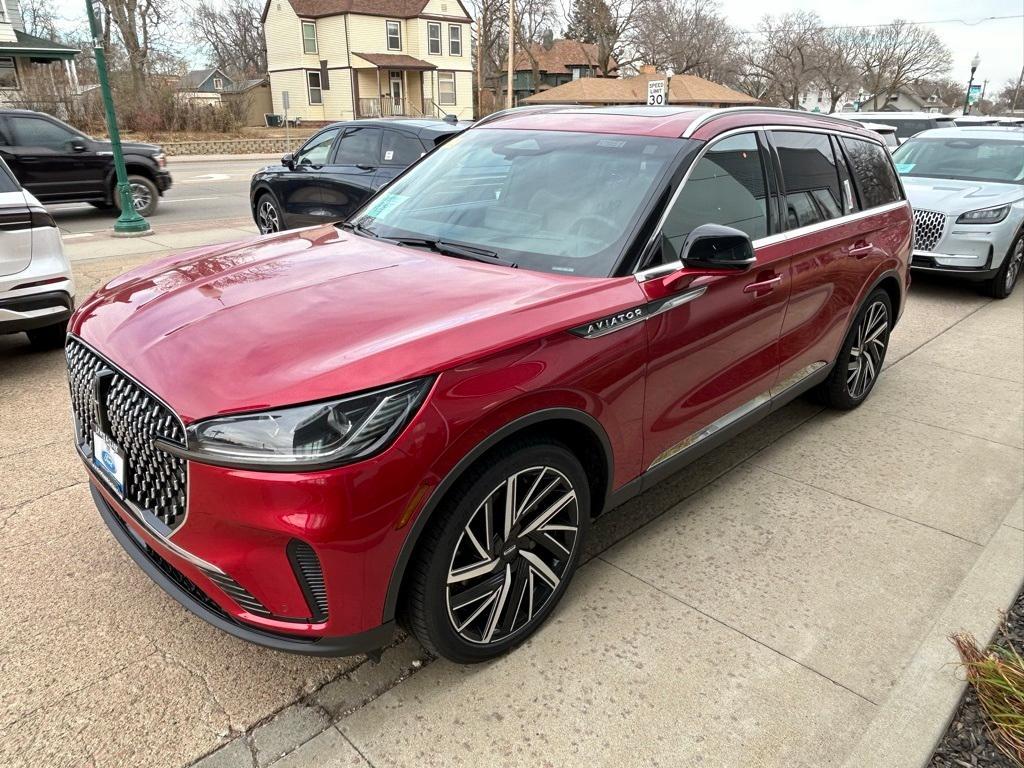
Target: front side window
(36,132)
(394,36)
(872,170)
(554,201)
(309,37)
(316,94)
(810,178)
(995,160)
(446,89)
(726,186)
(317,149)
(433,38)
(8,71)
(454,40)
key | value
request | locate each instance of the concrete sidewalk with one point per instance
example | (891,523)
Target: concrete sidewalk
(789,603)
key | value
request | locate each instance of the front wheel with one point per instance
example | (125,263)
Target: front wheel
(144,195)
(499,557)
(268,215)
(860,359)
(1001,286)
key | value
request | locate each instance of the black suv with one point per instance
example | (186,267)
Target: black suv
(59,164)
(338,169)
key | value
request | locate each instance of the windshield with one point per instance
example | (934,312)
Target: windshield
(552,201)
(993,160)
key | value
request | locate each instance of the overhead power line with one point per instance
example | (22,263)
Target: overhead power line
(965,22)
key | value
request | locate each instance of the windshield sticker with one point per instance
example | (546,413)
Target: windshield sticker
(383,205)
(905,167)
(611,143)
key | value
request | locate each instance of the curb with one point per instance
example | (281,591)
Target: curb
(174,159)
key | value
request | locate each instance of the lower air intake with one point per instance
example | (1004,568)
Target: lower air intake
(310,576)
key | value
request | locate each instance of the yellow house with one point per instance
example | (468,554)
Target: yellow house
(343,59)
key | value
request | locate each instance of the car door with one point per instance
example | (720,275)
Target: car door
(348,180)
(398,150)
(297,188)
(52,161)
(830,250)
(713,355)
(15,226)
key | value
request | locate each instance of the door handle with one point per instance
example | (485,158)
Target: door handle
(861,250)
(763,286)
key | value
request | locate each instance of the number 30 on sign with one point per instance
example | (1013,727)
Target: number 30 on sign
(656,93)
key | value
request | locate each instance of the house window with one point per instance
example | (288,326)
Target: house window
(316,94)
(446,89)
(434,38)
(218,84)
(394,36)
(309,37)
(455,39)
(8,73)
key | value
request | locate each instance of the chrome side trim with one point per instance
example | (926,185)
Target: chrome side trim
(735,415)
(664,305)
(791,234)
(602,326)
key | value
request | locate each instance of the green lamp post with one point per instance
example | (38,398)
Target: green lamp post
(129,223)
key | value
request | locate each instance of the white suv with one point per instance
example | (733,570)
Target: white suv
(37,293)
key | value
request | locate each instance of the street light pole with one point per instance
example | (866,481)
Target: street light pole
(129,223)
(970,83)
(509,102)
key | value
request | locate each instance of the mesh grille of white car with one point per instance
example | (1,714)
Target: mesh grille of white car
(928,228)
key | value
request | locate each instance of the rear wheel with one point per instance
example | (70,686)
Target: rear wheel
(48,337)
(268,215)
(860,360)
(144,195)
(498,559)
(1001,286)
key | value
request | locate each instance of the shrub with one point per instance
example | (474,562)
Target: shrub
(997,675)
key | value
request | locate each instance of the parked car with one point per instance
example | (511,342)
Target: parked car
(905,123)
(60,164)
(339,168)
(414,416)
(967,189)
(887,132)
(973,121)
(37,292)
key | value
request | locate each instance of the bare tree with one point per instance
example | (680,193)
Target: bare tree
(895,55)
(39,18)
(838,64)
(687,36)
(232,35)
(137,23)
(534,19)
(786,55)
(611,26)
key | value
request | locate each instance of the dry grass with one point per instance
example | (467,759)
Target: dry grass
(997,675)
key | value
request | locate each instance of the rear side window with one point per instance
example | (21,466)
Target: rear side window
(359,146)
(873,172)
(810,178)
(400,149)
(7,182)
(727,187)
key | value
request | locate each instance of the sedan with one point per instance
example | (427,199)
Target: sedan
(339,168)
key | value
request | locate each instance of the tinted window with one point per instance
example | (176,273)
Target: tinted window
(809,176)
(7,182)
(850,203)
(400,149)
(35,132)
(359,146)
(317,150)
(726,187)
(873,172)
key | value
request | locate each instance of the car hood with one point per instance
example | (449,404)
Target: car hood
(954,196)
(321,312)
(136,147)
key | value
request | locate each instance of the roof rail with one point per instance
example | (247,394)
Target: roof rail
(530,109)
(714,114)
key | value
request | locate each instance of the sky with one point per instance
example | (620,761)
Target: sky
(999,43)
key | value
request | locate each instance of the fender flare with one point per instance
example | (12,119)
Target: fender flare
(419,525)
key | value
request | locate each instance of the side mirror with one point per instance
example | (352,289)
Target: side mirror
(77,145)
(288,161)
(716,247)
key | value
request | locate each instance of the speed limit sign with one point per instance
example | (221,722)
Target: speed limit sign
(656,93)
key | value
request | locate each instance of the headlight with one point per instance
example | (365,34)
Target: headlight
(332,432)
(161,159)
(985,215)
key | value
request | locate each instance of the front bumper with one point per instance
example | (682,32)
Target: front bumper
(170,572)
(964,267)
(163,181)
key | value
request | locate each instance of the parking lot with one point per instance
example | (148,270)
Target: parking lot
(784,601)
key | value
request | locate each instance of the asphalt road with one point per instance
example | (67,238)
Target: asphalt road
(202,191)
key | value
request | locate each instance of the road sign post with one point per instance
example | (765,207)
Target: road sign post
(656,93)
(129,223)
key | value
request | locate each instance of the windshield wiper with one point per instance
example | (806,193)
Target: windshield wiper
(359,228)
(457,250)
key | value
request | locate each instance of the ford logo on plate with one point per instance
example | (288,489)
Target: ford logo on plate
(108,462)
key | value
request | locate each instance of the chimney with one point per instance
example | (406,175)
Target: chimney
(648,69)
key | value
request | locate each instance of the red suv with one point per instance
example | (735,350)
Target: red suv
(415,415)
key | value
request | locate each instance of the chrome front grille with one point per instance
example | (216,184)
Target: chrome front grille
(928,229)
(106,400)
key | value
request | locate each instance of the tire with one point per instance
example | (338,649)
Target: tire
(144,195)
(1001,286)
(856,370)
(267,215)
(530,568)
(49,336)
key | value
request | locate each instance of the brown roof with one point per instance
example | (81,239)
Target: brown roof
(394,60)
(682,89)
(560,57)
(395,9)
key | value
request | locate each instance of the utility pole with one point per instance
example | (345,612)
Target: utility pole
(1016,91)
(480,63)
(511,52)
(129,223)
